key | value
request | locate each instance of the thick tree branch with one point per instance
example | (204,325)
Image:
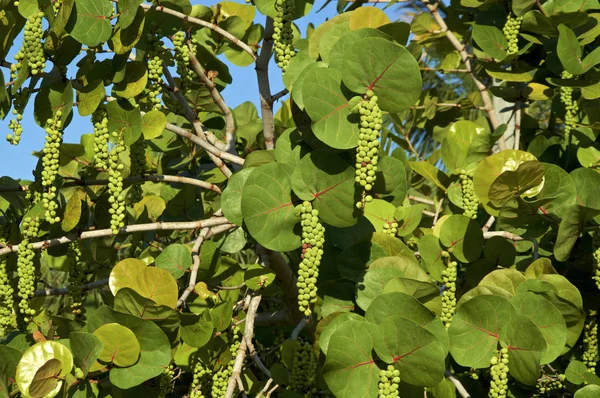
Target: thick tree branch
(99,233)
(264,87)
(126,181)
(461,48)
(213,27)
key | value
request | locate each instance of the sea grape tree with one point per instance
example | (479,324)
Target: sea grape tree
(415,214)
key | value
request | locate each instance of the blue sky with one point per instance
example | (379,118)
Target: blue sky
(18,161)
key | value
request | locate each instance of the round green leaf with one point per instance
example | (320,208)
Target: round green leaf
(257,277)
(575,372)
(119,345)
(368,17)
(548,319)
(328,181)
(465,143)
(491,167)
(231,199)
(89,23)
(136,79)
(86,349)
(45,379)
(416,352)
(525,344)
(176,259)
(464,236)
(151,282)
(328,108)
(507,279)
(267,207)
(510,184)
(379,212)
(386,68)
(155,349)
(475,329)
(350,370)
(336,55)
(590,391)
(34,359)
(431,253)
(125,119)
(334,325)
(153,124)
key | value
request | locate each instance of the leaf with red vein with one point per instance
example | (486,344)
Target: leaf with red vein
(416,352)
(350,370)
(475,329)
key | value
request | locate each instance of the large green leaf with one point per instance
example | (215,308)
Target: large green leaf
(267,207)
(155,349)
(570,53)
(34,358)
(491,167)
(475,330)
(51,99)
(491,40)
(231,199)
(90,23)
(512,184)
(464,236)
(176,259)
(465,143)
(415,351)
(153,283)
(328,108)
(119,344)
(86,349)
(386,68)
(350,370)
(526,345)
(328,181)
(547,318)
(128,301)
(571,226)
(124,118)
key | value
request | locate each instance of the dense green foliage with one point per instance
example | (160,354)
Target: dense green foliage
(414,215)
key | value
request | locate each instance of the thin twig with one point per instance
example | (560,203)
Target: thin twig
(438,209)
(517,124)
(65,290)
(217,98)
(241,354)
(196,265)
(421,200)
(213,152)
(298,328)
(211,26)
(504,234)
(265,388)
